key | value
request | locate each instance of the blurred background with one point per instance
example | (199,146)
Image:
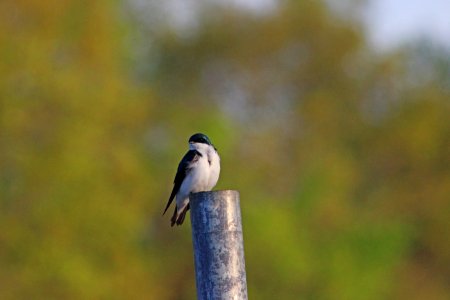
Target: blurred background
(331,118)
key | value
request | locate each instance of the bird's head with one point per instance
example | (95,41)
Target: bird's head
(199,138)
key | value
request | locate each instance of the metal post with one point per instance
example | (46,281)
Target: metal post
(218,245)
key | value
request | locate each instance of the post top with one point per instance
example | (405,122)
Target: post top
(215,211)
(215,193)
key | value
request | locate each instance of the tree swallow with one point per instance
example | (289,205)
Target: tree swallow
(198,171)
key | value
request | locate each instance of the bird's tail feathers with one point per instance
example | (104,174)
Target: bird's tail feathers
(182,215)
(172,196)
(173,220)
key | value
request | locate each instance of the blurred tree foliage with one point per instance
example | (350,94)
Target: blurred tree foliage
(341,154)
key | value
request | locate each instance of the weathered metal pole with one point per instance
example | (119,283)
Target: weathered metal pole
(218,245)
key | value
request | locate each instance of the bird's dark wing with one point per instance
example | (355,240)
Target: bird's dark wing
(184,167)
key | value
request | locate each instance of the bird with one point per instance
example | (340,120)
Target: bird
(198,171)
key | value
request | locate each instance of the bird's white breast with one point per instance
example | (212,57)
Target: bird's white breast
(214,167)
(203,175)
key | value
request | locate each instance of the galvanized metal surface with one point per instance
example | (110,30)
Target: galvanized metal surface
(218,245)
